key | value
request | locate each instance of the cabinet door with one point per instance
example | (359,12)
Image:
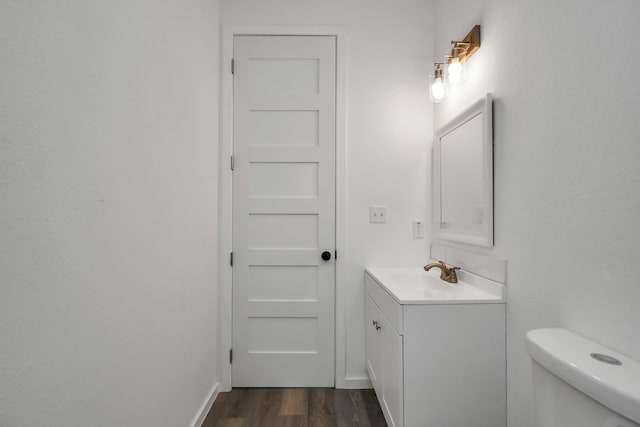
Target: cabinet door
(372,338)
(391,373)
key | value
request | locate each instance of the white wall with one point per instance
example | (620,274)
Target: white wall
(108,211)
(567,165)
(389,123)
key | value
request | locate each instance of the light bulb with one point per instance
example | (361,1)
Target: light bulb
(437,89)
(437,86)
(454,72)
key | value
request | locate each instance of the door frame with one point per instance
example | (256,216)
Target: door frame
(225,191)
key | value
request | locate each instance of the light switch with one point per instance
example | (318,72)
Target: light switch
(377,214)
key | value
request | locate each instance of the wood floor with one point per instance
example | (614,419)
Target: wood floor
(295,407)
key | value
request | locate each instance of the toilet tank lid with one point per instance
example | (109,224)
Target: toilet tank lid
(568,356)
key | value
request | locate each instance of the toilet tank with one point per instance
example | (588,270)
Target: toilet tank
(579,383)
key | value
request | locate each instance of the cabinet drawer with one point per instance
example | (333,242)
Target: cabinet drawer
(389,307)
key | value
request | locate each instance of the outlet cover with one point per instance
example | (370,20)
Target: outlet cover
(377,214)
(418,229)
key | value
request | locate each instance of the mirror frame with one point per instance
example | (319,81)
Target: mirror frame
(484,107)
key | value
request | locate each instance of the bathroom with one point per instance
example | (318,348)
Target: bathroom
(112,175)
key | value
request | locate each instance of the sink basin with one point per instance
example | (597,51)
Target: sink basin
(425,284)
(411,285)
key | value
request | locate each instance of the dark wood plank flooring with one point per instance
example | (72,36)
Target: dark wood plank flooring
(295,407)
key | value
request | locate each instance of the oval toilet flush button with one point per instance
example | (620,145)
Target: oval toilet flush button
(606,359)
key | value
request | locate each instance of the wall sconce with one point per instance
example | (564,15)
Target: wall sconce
(455,67)
(461,51)
(437,84)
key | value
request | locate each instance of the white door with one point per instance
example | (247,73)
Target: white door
(283,211)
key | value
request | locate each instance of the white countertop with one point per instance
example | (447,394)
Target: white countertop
(413,285)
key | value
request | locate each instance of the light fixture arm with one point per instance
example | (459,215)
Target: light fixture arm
(465,48)
(438,69)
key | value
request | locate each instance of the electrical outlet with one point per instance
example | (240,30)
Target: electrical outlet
(377,214)
(418,230)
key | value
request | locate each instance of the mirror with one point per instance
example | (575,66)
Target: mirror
(463,177)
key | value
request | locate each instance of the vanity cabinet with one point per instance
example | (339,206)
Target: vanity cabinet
(436,363)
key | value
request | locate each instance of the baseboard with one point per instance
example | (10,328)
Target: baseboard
(206,407)
(356,383)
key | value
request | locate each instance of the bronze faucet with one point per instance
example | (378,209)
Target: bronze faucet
(446,274)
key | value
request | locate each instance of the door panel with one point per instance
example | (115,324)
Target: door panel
(272,231)
(283,283)
(392,373)
(284,180)
(283,211)
(372,340)
(284,128)
(266,75)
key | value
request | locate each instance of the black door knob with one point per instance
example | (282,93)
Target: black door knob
(326,255)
